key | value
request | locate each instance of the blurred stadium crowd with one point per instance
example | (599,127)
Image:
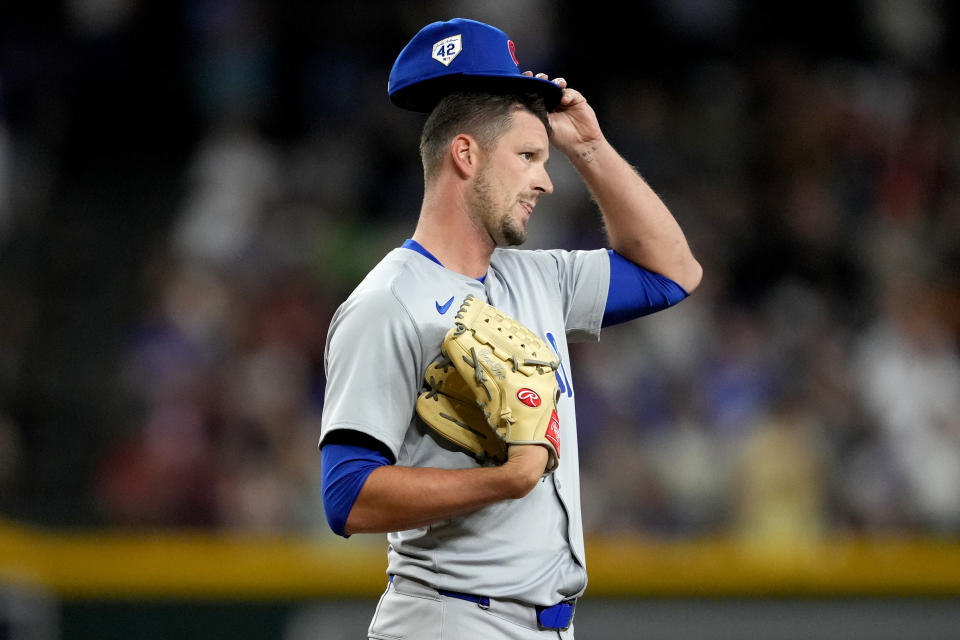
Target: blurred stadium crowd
(187,193)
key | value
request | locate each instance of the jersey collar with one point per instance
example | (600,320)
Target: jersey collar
(413,245)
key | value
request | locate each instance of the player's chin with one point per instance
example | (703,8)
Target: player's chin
(513,232)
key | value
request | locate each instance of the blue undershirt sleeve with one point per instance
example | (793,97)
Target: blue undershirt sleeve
(635,291)
(343,470)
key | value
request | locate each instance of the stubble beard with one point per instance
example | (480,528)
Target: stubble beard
(504,229)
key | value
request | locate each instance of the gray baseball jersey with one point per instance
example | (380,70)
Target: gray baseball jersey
(381,340)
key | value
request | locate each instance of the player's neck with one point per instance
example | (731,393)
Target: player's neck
(446,230)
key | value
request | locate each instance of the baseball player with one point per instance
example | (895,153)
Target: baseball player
(484,541)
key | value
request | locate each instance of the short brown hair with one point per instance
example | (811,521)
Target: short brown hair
(485,116)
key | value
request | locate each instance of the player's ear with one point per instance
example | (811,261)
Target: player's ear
(465,154)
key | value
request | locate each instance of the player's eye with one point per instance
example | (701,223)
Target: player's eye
(527,155)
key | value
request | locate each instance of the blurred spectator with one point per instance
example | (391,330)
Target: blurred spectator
(781,480)
(6,174)
(235,178)
(908,374)
(10,454)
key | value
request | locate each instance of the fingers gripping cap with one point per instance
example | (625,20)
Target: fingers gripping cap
(457,54)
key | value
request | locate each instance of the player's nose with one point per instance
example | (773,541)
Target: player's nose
(542,182)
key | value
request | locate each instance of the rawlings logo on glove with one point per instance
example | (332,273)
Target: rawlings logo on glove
(495,375)
(528,397)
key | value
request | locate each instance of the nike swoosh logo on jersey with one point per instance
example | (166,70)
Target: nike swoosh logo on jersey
(446,305)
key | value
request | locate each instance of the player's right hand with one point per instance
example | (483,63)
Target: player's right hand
(526,464)
(574,122)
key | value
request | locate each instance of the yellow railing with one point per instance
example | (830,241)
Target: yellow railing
(179,564)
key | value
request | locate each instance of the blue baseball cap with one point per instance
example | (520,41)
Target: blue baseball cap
(460,54)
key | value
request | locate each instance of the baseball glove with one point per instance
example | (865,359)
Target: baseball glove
(511,373)
(448,407)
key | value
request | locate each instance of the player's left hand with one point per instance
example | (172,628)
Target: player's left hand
(574,121)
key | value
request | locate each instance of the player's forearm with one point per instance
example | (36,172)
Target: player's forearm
(639,225)
(395,498)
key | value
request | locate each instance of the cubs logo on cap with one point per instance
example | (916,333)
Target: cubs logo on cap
(457,54)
